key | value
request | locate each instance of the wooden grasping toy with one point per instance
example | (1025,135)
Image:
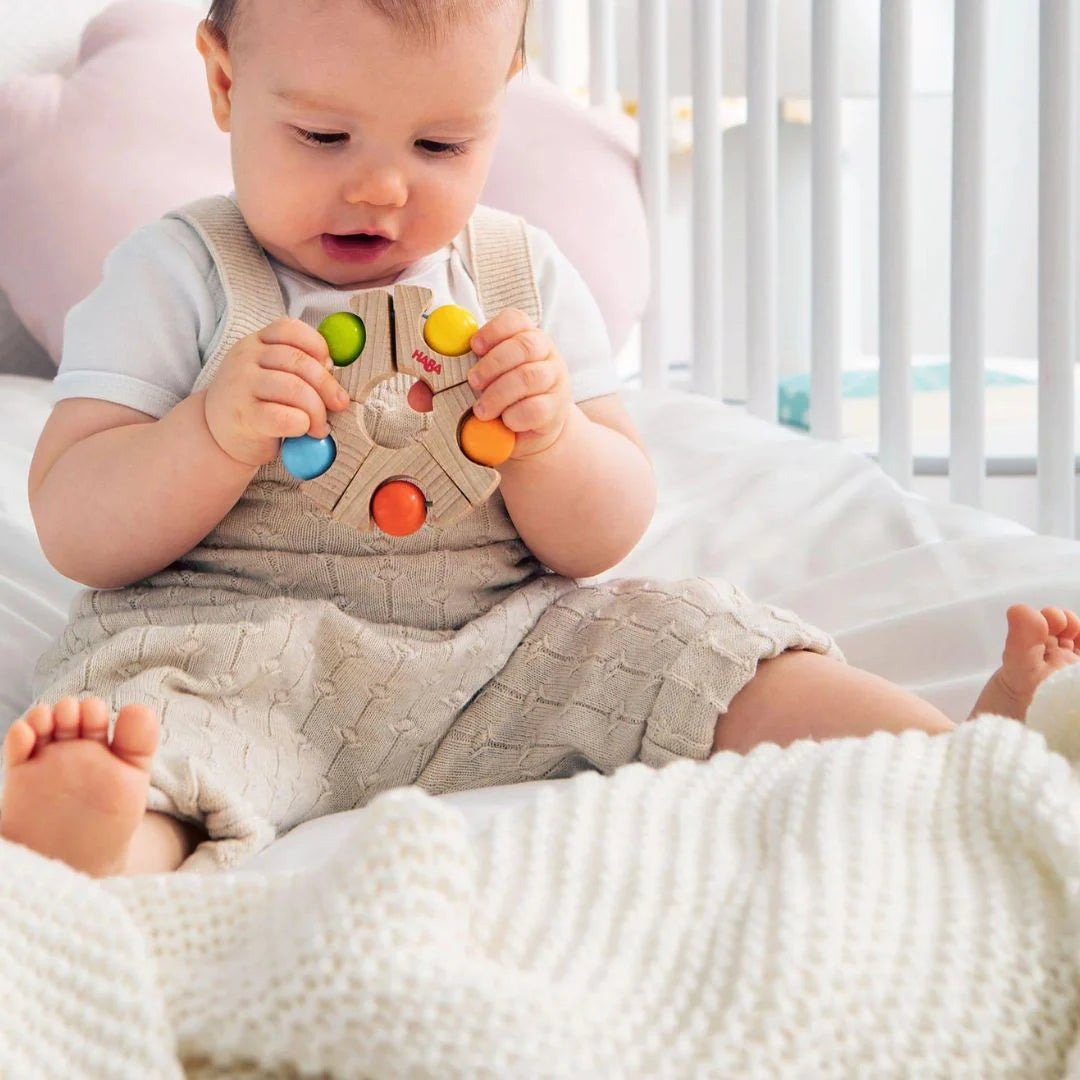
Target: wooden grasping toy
(444,471)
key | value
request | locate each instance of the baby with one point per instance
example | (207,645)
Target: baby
(294,666)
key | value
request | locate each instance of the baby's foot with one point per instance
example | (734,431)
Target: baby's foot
(68,792)
(1037,645)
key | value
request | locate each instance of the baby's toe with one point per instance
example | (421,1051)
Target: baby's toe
(1028,631)
(66,719)
(42,720)
(94,720)
(18,743)
(135,736)
(1068,636)
(1056,621)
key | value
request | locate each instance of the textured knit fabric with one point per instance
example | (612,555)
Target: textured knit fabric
(888,908)
(300,666)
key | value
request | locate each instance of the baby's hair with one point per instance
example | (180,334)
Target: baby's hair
(420,20)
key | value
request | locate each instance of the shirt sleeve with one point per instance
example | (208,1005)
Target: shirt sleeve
(139,338)
(571,318)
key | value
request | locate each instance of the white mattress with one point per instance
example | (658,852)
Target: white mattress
(913,590)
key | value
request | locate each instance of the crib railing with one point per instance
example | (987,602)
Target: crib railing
(1057,223)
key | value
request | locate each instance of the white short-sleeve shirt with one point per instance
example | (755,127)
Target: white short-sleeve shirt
(141,337)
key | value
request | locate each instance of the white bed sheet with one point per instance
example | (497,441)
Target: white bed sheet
(911,589)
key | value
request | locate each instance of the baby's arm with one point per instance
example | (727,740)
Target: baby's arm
(117,495)
(582,504)
(579,485)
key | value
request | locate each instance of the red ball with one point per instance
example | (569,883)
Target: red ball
(398,507)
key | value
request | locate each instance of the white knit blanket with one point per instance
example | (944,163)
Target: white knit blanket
(887,907)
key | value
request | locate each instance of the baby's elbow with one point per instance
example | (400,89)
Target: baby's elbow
(74,569)
(593,564)
(60,544)
(584,571)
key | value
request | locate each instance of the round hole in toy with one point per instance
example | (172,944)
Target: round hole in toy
(388,415)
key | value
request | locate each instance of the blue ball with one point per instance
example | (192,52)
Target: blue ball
(306,457)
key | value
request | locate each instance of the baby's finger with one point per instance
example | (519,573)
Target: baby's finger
(276,421)
(297,362)
(521,382)
(531,414)
(523,348)
(284,388)
(507,323)
(297,334)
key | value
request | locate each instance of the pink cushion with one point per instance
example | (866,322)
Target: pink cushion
(129,135)
(573,171)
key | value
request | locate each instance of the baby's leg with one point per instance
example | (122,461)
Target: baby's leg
(800,695)
(72,795)
(160,843)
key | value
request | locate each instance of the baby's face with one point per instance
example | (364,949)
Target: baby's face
(341,125)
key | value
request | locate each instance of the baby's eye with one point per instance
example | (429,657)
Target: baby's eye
(440,148)
(321,138)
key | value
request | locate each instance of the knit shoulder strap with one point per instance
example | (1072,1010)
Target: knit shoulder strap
(502,262)
(252,295)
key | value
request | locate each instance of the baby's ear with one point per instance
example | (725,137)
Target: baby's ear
(215,54)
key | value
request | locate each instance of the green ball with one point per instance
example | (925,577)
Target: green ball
(345,336)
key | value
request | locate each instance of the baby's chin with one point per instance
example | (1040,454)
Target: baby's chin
(346,281)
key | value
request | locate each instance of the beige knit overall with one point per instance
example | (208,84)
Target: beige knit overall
(300,667)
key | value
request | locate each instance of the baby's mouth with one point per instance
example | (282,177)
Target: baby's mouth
(361,246)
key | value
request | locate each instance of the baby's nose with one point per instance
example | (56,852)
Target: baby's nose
(382,186)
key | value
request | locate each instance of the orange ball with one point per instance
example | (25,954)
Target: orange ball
(487,442)
(398,507)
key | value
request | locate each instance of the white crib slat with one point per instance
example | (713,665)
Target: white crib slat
(761,208)
(825,223)
(603,72)
(708,181)
(556,28)
(653,116)
(894,227)
(967,399)
(1057,278)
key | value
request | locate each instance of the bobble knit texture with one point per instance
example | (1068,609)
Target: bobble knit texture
(890,907)
(301,667)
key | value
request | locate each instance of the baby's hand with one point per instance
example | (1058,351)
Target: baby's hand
(272,384)
(521,377)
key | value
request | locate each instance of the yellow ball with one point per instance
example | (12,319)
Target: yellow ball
(487,442)
(449,329)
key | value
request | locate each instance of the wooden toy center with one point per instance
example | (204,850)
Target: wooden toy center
(446,470)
